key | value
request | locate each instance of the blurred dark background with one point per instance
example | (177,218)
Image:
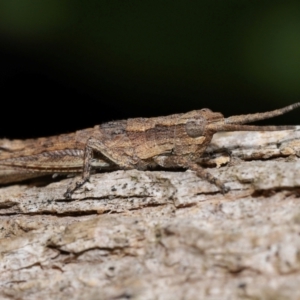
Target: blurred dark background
(67,65)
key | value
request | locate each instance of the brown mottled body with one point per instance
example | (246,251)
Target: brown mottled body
(171,141)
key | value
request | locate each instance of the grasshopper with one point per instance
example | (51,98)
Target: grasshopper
(170,142)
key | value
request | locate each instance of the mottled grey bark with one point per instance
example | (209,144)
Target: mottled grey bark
(162,235)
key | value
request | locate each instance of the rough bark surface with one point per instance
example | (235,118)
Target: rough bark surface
(162,235)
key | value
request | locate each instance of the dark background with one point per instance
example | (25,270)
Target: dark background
(67,65)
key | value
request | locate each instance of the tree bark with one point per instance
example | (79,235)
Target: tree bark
(162,234)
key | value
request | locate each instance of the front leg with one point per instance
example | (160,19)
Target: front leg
(184,162)
(93,145)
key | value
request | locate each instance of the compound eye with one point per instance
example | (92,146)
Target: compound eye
(195,127)
(205,110)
